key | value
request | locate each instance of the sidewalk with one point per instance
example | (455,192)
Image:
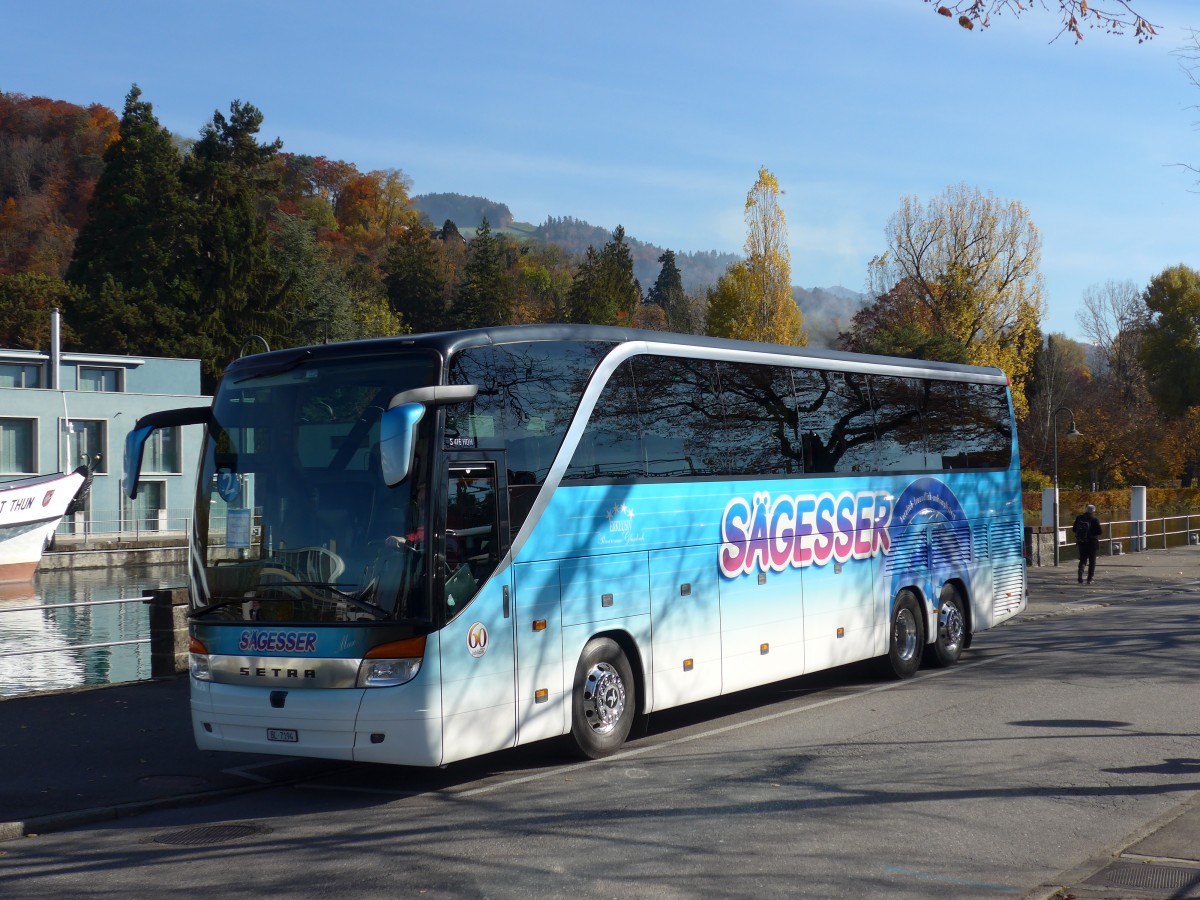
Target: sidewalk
(91,755)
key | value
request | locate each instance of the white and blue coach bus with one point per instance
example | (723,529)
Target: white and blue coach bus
(421,549)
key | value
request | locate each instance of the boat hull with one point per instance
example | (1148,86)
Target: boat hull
(30,510)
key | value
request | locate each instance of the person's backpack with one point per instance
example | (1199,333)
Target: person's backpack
(1083,530)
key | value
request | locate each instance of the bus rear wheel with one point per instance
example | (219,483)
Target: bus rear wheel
(906,638)
(951,629)
(603,699)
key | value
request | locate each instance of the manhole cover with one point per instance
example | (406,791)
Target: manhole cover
(203,835)
(1177,881)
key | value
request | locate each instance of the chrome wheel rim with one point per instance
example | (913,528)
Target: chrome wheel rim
(603,698)
(950,626)
(904,634)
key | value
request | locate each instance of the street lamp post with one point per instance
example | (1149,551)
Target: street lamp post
(1072,432)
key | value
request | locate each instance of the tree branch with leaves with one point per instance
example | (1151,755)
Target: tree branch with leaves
(1114,17)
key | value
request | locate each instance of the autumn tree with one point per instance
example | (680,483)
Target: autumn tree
(1116,17)
(543,280)
(968,268)
(725,301)
(753,300)
(897,323)
(51,153)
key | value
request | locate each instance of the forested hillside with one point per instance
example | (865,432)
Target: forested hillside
(160,244)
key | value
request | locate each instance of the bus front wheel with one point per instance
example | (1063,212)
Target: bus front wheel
(603,699)
(906,640)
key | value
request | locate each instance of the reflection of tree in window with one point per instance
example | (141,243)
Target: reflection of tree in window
(836,421)
(987,430)
(898,406)
(528,394)
(611,444)
(944,424)
(761,434)
(681,416)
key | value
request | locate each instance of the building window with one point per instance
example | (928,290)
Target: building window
(87,440)
(20,375)
(162,456)
(147,511)
(18,446)
(92,378)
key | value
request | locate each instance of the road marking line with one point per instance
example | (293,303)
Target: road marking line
(713,732)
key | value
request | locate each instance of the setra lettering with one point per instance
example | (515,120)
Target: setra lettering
(265,672)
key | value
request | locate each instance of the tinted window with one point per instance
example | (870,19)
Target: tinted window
(761,435)
(681,416)
(527,397)
(835,421)
(898,422)
(611,444)
(944,415)
(986,428)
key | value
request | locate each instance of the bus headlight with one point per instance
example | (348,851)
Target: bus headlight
(392,664)
(199,663)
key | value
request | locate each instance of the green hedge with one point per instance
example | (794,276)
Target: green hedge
(1114,505)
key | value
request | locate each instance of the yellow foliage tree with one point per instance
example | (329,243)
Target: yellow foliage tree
(972,262)
(753,299)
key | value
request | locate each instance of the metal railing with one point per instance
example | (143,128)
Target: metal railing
(68,648)
(1135,535)
(85,528)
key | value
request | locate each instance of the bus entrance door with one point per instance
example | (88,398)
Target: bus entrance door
(478,686)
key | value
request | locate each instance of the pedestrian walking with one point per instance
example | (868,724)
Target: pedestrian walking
(1088,531)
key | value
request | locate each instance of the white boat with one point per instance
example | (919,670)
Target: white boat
(30,510)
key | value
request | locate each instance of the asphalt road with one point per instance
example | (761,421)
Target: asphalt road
(1054,742)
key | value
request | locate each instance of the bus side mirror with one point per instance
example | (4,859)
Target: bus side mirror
(135,445)
(135,441)
(398,427)
(397,441)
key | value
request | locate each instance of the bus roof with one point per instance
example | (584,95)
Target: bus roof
(447,343)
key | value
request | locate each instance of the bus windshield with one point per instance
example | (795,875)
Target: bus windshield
(294,520)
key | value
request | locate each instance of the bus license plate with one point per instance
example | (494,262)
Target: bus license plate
(286,735)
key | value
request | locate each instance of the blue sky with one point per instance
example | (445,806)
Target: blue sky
(658,116)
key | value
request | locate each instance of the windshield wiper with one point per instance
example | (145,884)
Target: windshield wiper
(221,602)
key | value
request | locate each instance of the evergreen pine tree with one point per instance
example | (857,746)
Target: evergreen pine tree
(668,294)
(234,287)
(415,286)
(485,296)
(604,290)
(127,252)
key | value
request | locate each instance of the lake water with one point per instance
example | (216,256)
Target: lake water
(35,643)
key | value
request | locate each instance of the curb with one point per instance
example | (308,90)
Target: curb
(11,831)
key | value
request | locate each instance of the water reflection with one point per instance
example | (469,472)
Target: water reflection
(34,654)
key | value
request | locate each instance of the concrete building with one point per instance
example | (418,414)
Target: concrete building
(60,410)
